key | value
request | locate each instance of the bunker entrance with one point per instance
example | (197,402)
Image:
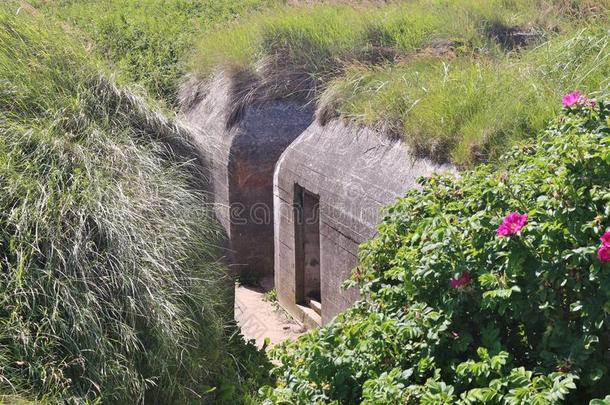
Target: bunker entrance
(307,243)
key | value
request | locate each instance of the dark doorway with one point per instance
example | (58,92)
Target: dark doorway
(307,249)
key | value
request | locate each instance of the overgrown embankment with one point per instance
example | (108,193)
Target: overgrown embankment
(491,288)
(109,286)
(456,80)
(108,280)
(148,41)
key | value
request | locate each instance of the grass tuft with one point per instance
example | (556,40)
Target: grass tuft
(109,286)
(147,40)
(467,110)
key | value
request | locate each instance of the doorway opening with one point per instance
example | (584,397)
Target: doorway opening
(307,249)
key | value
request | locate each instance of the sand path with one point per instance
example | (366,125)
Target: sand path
(260,319)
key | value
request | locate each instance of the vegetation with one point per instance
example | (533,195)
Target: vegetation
(469,110)
(271,296)
(319,39)
(109,286)
(459,80)
(147,40)
(490,288)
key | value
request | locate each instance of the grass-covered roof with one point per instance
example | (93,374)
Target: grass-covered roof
(458,80)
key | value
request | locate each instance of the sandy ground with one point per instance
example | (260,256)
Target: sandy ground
(259,319)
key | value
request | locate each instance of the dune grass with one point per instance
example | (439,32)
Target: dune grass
(459,80)
(320,38)
(468,110)
(147,40)
(109,286)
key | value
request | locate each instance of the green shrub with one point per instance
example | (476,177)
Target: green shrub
(453,313)
(109,287)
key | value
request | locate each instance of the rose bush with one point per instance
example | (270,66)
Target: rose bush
(488,288)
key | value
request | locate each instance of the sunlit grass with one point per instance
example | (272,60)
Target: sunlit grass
(147,40)
(109,282)
(442,74)
(321,37)
(468,110)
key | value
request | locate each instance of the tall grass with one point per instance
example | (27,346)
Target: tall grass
(467,110)
(446,75)
(321,38)
(108,284)
(147,40)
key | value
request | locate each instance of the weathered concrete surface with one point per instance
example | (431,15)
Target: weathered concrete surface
(247,139)
(355,172)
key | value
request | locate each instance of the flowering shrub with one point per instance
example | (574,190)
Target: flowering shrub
(512,224)
(603,253)
(575,99)
(466,304)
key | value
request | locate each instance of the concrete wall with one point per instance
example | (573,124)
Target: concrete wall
(355,172)
(247,140)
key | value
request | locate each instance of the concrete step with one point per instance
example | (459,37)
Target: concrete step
(310,318)
(315,305)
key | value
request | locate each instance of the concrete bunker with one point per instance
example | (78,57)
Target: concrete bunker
(248,134)
(294,197)
(349,173)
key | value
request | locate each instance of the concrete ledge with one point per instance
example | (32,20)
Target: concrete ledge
(307,316)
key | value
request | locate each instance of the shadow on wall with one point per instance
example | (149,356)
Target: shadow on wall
(296,198)
(248,146)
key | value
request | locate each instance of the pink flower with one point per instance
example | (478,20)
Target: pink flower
(512,224)
(577,99)
(464,279)
(571,98)
(605,238)
(603,254)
